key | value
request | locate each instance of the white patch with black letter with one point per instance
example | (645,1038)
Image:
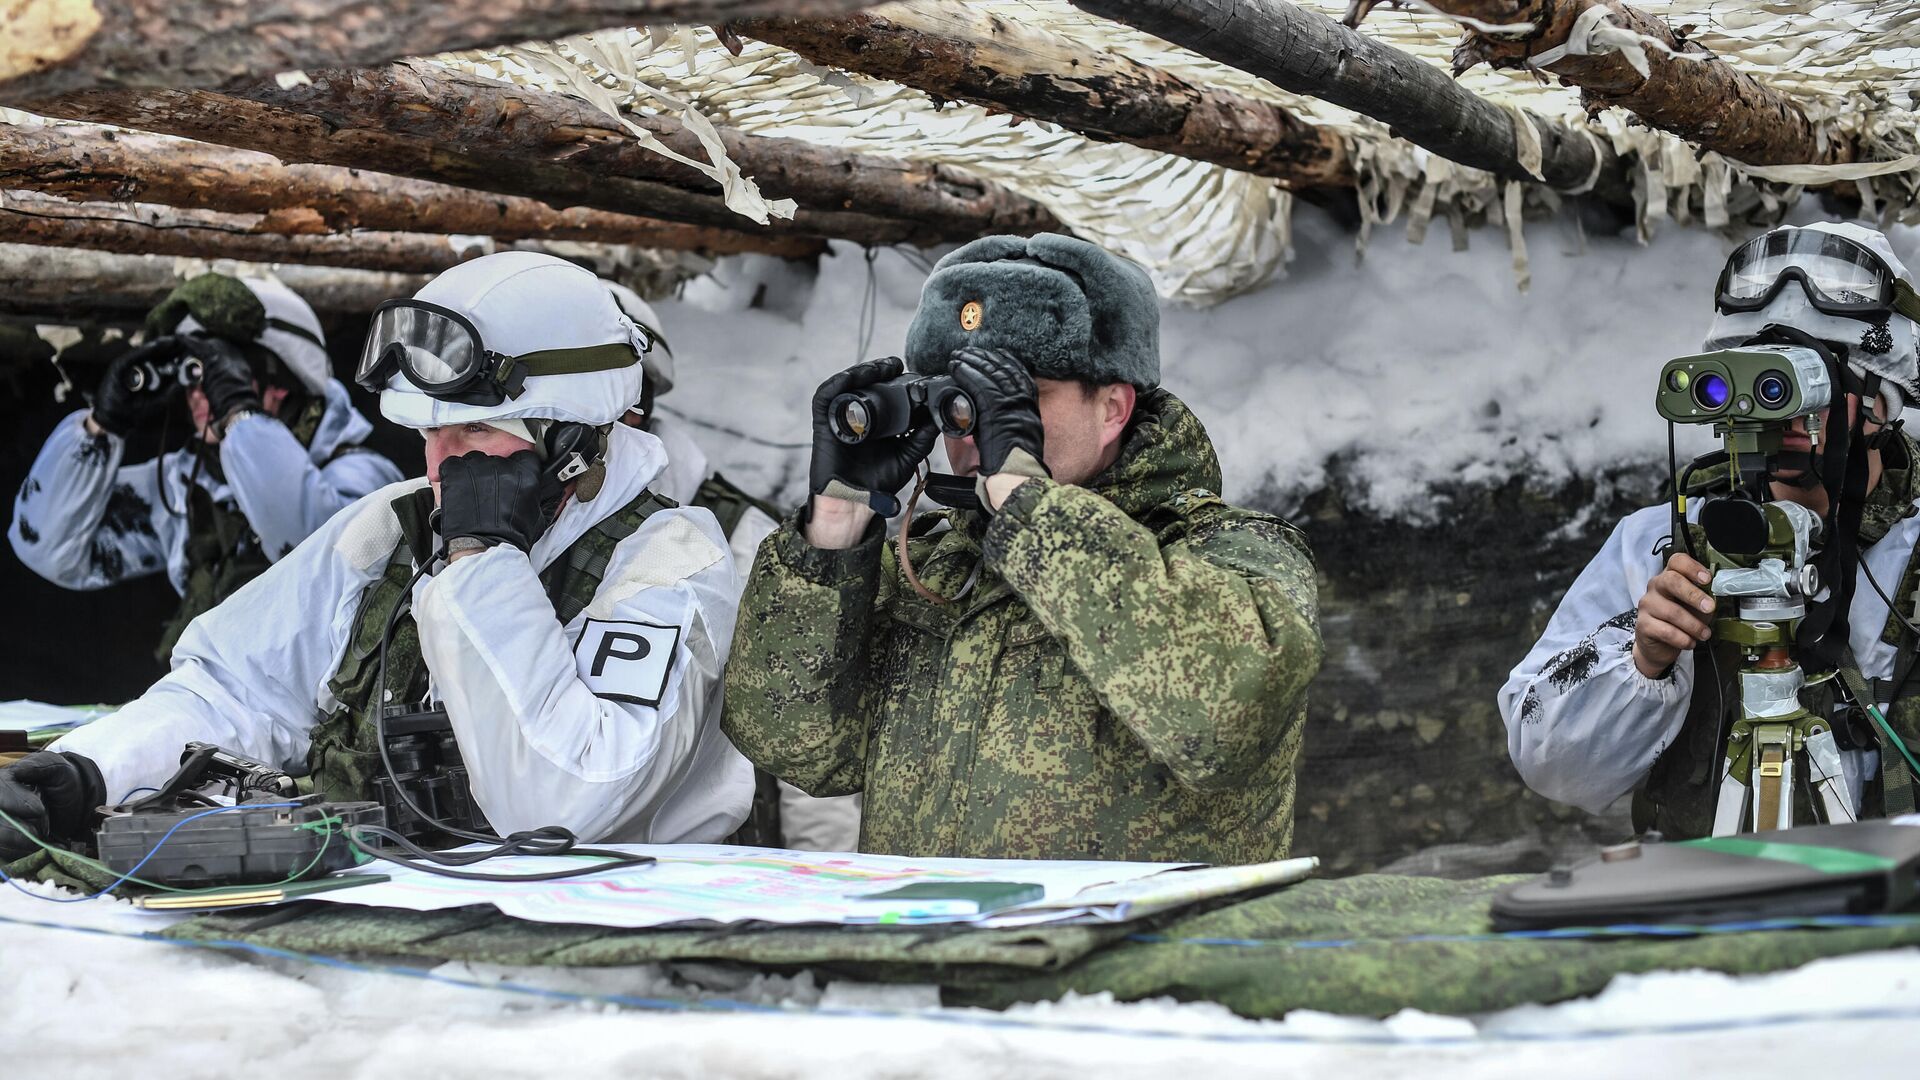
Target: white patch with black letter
(626,661)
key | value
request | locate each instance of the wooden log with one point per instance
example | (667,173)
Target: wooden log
(1706,101)
(59,46)
(78,281)
(459,129)
(95,164)
(139,229)
(1308,53)
(955,52)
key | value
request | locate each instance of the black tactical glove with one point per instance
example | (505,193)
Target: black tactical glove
(117,407)
(225,376)
(1008,432)
(493,499)
(53,795)
(871,472)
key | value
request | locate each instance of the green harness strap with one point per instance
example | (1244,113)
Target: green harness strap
(345,756)
(729,503)
(1896,778)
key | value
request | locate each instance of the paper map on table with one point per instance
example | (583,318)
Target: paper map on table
(715,884)
(25,715)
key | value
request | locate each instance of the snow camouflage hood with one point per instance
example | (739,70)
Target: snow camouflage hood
(1887,348)
(1124,678)
(249,311)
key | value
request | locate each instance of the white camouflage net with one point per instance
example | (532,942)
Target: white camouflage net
(1206,232)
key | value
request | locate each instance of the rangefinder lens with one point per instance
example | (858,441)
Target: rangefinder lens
(1711,391)
(1678,379)
(1773,389)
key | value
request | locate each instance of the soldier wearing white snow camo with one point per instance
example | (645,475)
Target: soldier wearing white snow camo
(277,452)
(1624,691)
(572,624)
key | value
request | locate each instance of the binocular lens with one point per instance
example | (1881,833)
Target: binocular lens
(956,414)
(1712,391)
(855,420)
(1773,389)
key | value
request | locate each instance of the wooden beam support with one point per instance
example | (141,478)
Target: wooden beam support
(49,279)
(458,129)
(1704,100)
(96,164)
(952,51)
(140,229)
(1308,53)
(60,46)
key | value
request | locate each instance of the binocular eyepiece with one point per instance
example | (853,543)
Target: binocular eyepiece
(157,376)
(900,405)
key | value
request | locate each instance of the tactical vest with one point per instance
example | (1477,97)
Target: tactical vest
(346,752)
(728,503)
(1680,794)
(222,550)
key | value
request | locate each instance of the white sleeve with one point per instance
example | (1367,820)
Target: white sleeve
(1584,726)
(595,725)
(246,675)
(283,493)
(84,522)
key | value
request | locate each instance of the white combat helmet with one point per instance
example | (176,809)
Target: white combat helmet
(659,359)
(516,335)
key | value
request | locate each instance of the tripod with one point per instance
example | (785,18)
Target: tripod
(1774,742)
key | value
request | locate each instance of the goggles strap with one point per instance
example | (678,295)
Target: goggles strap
(609,357)
(1905,301)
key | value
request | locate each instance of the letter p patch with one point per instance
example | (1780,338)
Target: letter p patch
(626,661)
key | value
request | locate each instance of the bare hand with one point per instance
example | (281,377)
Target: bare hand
(1674,616)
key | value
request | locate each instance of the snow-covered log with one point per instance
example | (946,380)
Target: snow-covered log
(954,52)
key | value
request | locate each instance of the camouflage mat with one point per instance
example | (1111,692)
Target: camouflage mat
(1339,946)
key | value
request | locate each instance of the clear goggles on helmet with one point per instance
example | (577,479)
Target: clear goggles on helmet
(440,352)
(1840,276)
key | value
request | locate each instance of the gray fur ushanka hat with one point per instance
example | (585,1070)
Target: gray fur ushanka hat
(1065,307)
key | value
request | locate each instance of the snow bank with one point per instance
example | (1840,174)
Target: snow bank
(81,1006)
(1414,366)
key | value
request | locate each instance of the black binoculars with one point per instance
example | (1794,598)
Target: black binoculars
(161,375)
(900,405)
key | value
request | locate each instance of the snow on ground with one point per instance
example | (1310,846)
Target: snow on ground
(1412,365)
(81,1006)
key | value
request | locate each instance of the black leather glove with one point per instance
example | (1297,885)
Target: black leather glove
(492,499)
(870,472)
(1008,430)
(225,376)
(56,796)
(119,408)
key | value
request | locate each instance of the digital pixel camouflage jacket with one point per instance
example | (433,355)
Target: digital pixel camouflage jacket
(1125,678)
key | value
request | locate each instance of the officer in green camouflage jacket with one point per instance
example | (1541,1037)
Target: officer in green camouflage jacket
(1101,659)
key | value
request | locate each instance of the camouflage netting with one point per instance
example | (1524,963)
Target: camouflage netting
(1207,232)
(1239,955)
